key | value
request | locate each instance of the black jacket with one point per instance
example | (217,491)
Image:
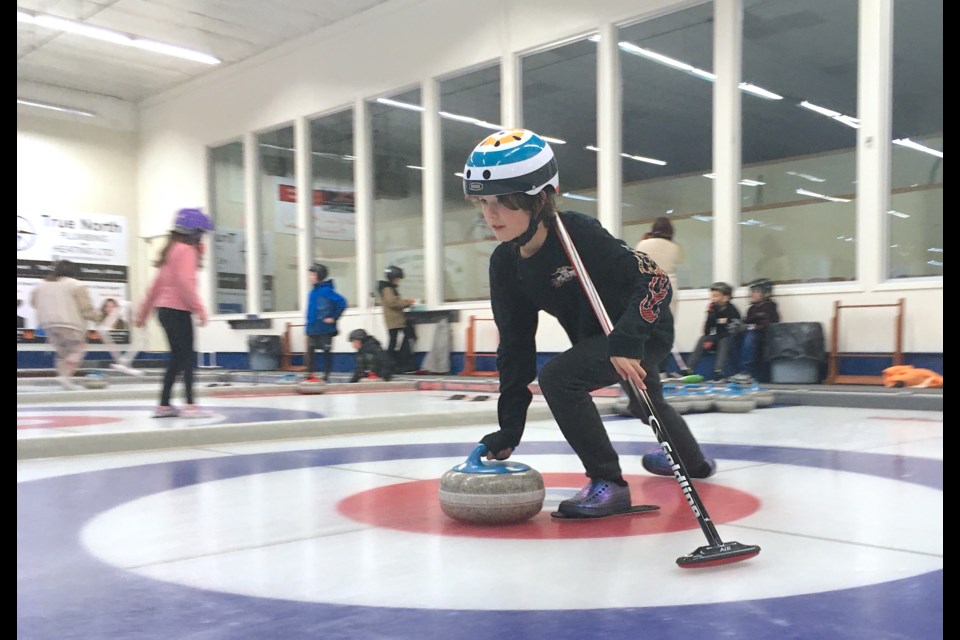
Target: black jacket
(371,357)
(762,313)
(635,292)
(715,312)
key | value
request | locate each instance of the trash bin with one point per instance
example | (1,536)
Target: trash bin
(795,352)
(265,352)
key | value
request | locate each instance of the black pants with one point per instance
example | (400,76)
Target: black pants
(400,351)
(566,382)
(178,325)
(323,343)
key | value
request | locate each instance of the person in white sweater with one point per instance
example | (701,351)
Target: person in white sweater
(658,244)
(63,306)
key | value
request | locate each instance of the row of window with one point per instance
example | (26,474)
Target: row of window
(798,189)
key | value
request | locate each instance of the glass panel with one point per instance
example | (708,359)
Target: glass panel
(560,103)
(667,135)
(916,199)
(334,219)
(227,207)
(798,213)
(467,241)
(278,220)
(397,189)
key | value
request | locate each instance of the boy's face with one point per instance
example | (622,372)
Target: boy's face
(507,224)
(718,298)
(756,295)
(312,277)
(356,344)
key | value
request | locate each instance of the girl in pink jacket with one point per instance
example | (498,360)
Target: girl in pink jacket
(175,296)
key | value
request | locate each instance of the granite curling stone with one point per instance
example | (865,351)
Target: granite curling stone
(95,380)
(312,387)
(491,492)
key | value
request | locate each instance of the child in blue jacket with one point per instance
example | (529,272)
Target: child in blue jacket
(324,307)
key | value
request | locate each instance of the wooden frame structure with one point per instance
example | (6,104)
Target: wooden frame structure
(470,355)
(833,367)
(286,356)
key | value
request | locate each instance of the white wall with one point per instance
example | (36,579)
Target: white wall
(395,47)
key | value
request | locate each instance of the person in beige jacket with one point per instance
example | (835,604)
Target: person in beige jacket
(658,244)
(395,317)
(63,306)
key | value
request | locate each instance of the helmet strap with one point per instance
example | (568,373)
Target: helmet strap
(535,219)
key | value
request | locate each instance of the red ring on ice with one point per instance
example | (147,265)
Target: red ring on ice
(59,421)
(415,507)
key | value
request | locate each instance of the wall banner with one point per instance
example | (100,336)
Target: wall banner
(97,243)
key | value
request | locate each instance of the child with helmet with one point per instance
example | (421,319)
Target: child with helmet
(174,294)
(372,361)
(719,331)
(513,177)
(324,307)
(761,313)
(394,316)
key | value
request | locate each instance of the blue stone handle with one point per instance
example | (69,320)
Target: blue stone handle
(475,464)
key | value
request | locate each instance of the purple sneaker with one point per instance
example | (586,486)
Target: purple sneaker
(656,463)
(598,498)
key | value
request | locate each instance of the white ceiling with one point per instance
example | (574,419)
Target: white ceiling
(230,30)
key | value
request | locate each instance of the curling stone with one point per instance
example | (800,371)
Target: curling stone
(681,402)
(764,397)
(701,397)
(491,492)
(676,396)
(95,380)
(733,399)
(312,387)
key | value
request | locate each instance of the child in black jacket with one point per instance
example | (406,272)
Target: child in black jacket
(719,331)
(761,313)
(372,361)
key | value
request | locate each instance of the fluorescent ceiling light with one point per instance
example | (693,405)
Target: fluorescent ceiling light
(400,105)
(806,176)
(413,166)
(850,121)
(760,92)
(55,107)
(483,124)
(702,218)
(554,140)
(106,35)
(746,87)
(574,196)
(745,182)
(643,159)
(814,194)
(907,142)
(898,214)
(629,156)
(457,117)
(629,47)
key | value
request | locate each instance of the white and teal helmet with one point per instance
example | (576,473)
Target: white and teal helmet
(511,161)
